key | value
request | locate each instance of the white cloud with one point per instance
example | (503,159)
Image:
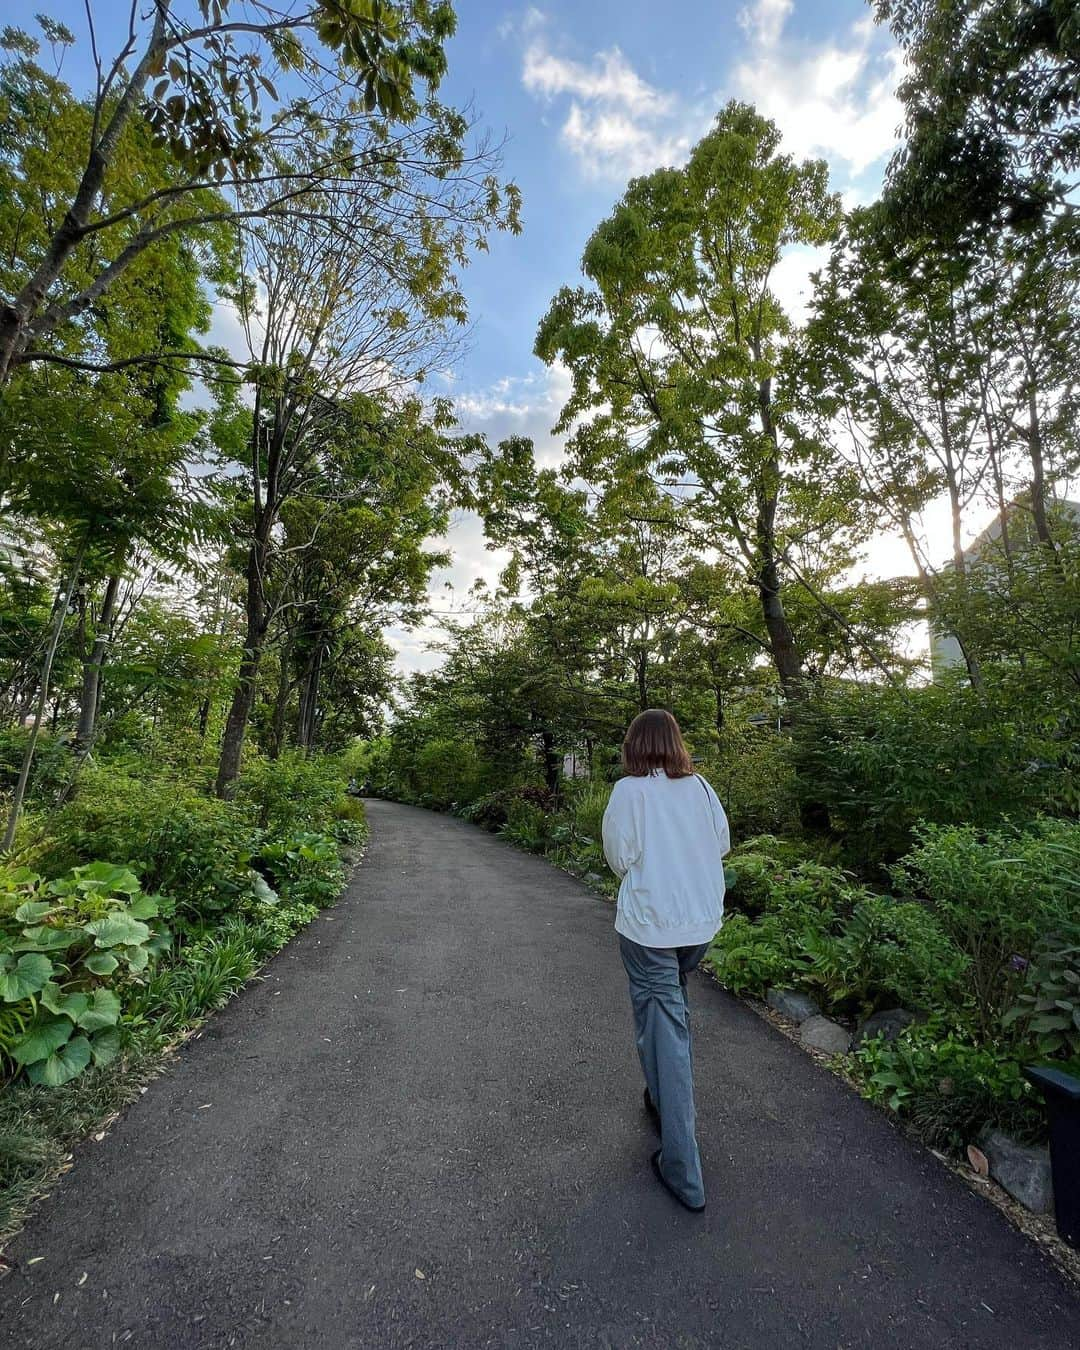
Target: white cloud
(609,143)
(765,20)
(609,80)
(525,405)
(617,124)
(837,100)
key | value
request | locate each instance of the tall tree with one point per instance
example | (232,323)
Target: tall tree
(324,320)
(353,551)
(677,354)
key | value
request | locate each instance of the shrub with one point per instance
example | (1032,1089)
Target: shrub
(753,776)
(50,771)
(445,772)
(948,1088)
(887,951)
(491,811)
(208,972)
(276,924)
(880,760)
(1047,1010)
(526,825)
(997,895)
(821,931)
(586,805)
(748,957)
(292,792)
(195,849)
(69,949)
(305,867)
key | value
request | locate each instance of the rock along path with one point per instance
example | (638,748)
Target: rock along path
(423,1128)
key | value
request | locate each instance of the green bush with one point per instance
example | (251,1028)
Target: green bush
(1046,1014)
(305,867)
(526,825)
(69,950)
(292,792)
(820,931)
(209,971)
(193,848)
(586,805)
(997,895)
(50,771)
(276,924)
(880,760)
(886,952)
(948,1088)
(749,957)
(492,811)
(752,772)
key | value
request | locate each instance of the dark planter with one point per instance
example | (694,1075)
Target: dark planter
(1061,1092)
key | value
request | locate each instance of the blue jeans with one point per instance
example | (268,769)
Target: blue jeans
(662,1024)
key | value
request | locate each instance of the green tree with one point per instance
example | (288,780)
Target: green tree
(991,97)
(352,556)
(678,352)
(188,78)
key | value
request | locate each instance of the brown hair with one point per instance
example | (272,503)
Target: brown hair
(654,741)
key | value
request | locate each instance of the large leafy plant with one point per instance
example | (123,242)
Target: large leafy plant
(67,947)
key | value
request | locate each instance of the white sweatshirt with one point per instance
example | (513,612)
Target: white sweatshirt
(666,838)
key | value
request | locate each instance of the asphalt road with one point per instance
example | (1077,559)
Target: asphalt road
(423,1128)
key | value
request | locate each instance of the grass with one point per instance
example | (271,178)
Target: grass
(39,1128)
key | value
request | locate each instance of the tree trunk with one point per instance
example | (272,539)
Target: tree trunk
(63,597)
(785,651)
(641,670)
(782,644)
(309,697)
(1038,475)
(551,762)
(232,742)
(281,703)
(92,667)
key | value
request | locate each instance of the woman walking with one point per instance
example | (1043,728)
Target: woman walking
(665,836)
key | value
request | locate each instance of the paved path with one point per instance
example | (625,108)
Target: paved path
(438,1076)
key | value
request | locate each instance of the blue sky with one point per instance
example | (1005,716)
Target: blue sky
(587,95)
(591,93)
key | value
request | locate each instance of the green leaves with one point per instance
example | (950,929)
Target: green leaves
(100,963)
(118,930)
(22,977)
(43,1039)
(95,927)
(102,1010)
(63,1065)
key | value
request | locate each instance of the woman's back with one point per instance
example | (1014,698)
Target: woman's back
(666,838)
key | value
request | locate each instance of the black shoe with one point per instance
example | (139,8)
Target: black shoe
(655,1160)
(654,1114)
